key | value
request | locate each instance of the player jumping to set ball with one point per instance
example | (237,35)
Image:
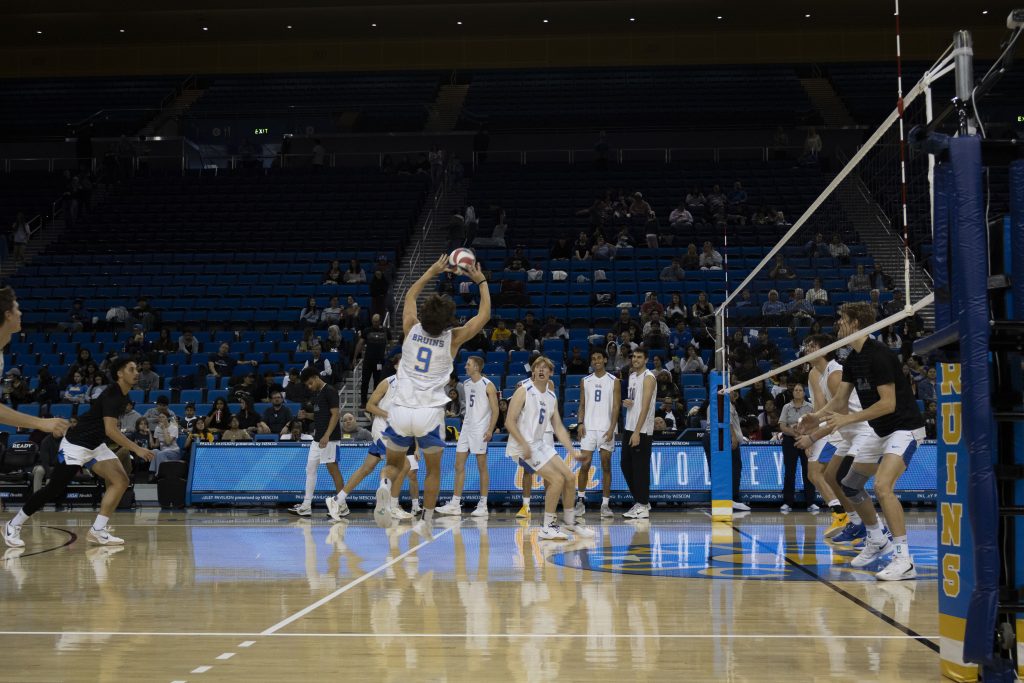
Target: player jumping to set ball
(890,409)
(428,355)
(600,399)
(532,422)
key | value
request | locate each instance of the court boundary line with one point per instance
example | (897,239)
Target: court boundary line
(72,537)
(512,636)
(910,633)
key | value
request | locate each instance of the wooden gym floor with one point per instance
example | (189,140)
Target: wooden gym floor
(258,596)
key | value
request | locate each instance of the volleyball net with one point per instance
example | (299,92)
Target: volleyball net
(880,206)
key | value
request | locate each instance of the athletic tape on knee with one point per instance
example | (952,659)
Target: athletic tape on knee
(414,464)
(853,486)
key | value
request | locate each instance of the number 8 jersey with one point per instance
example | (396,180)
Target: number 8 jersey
(424,369)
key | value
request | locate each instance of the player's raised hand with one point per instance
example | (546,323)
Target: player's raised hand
(474,272)
(439,266)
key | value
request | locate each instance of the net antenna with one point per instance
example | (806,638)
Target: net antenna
(944,65)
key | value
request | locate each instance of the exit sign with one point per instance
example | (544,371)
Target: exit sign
(261,131)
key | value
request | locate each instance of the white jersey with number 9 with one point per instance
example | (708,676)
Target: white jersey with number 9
(424,370)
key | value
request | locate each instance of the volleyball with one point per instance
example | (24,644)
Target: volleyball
(461,258)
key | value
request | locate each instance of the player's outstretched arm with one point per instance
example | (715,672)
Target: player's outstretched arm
(410,316)
(472,328)
(11,417)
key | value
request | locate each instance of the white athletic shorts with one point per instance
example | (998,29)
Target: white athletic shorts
(823,450)
(903,442)
(405,425)
(471,441)
(540,453)
(864,446)
(323,455)
(71,454)
(593,440)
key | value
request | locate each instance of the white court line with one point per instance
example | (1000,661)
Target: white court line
(201,669)
(248,643)
(226,655)
(350,585)
(512,636)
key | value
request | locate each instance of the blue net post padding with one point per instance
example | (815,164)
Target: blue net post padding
(721,447)
(970,254)
(1017,236)
(942,187)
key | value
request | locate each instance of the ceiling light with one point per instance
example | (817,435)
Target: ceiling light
(544,20)
(632,18)
(719,16)
(459,23)
(807,16)
(39,33)
(289,26)
(205,28)
(121,30)
(373,25)
(984,11)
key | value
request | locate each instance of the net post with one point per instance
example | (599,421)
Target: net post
(720,450)
(963,56)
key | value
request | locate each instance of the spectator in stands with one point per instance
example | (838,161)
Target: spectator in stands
(333,314)
(650,305)
(199,433)
(243,387)
(581,248)
(234,432)
(696,201)
(81,365)
(319,157)
(801,310)
(78,318)
(879,279)
(265,389)
(521,339)
(219,417)
(164,344)
(311,312)
(680,338)
(562,250)
(817,247)
(517,255)
(515,266)
(859,281)
(277,416)
(531,324)
(501,336)
(874,297)
(308,339)
(768,421)
(77,391)
(737,199)
(773,312)
(656,332)
(321,363)
(602,250)
(186,421)
(333,274)
(137,345)
(385,266)
(143,314)
(812,146)
(372,348)
(817,294)
(893,340)
(129,418)
(702,311)
(675,312)
(248,418)
(780,141)
(781,270)
(437,162)
(166,437)
(18,391)
(162,408)
(691,259)
(187,343)
(926,387)
(96,386)
(222,364)
(353,313)
(379,288)
(553,329)
(22,233)
(577,364)
(838,250)
(681,218)
(693,362)
(710,259)
(896,305)
(625,323)
(454,407)
(48,390)
(673,272)
(355,273)
(351,431)
(456,231)
(141,434)
(930,419)
(148,380)
(717,201)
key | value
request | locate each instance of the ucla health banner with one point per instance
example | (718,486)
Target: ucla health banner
(272,473)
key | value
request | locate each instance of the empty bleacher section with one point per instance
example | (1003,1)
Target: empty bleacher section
(52,107)
(671,97)
(291,103)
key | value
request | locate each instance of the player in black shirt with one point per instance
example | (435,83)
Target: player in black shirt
(890,409)
(85,445)
(324,449)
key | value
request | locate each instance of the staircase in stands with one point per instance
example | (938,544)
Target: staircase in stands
(444,114)
(427,242)
(827,101)
(168,120)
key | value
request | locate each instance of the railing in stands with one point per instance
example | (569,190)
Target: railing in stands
(627,154)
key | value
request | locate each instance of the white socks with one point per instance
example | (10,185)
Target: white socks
(311,467)
(19,519)
(901,546)
(875,532)
(549,518)
(456,500)
(341,496)
(101,523)
(569,515)
(526,501)
(854,517)
(606,501)
(428,514)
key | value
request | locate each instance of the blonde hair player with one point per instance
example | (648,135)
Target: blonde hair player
(377,407)
(891,411)
(827,452)
(477,430)
(600,400)
(428,355)
(532,422)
